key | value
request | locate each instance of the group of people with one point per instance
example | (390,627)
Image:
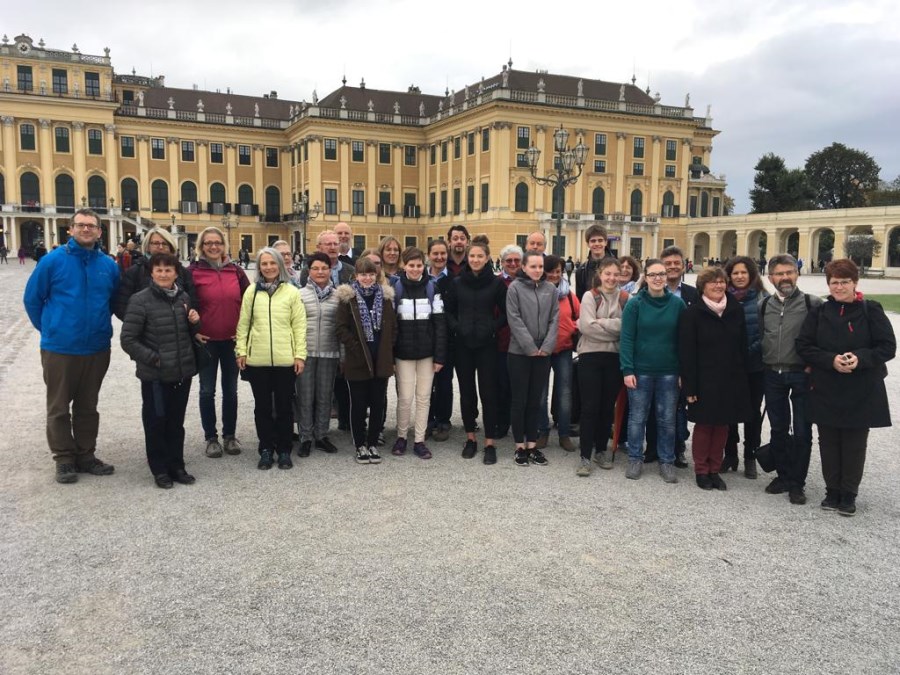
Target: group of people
(642,352)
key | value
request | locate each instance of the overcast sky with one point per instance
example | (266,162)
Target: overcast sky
(789,76)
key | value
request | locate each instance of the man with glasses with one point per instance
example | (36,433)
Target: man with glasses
(786,377)
(341,272)
(69,301)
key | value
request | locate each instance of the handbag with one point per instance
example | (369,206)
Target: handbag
(202,357)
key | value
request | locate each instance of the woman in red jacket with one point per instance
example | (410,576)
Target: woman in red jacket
(220,285)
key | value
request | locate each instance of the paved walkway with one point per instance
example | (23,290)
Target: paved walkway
(444,566)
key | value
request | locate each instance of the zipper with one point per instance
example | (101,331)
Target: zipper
(177,339)
(271,337)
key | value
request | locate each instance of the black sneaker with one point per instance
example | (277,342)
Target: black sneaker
(537,458)
(265,460)
(96,467)
(182,476)
(847,505)
(521,458)
(490,454)
(716,481)
(303,450)
(164,481)
(832,500)
(326,445)
(777,487)
(681,460)
(703,482)
(374,456)
(469,449)
(362,455)
(284,460)
(797,496)
(66,473)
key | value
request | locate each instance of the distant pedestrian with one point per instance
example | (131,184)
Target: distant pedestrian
(3,253)
(69,300)
(22,254)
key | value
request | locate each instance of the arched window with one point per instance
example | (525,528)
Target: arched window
(637,205)
(159,195)
(65,193)
(2,189)
(96,192)
(273,204)
(245,194)
(129,194)
(522,197)
(189,191)
(668,204)
(217,193)
(30,189)
(598,202)
(704,204)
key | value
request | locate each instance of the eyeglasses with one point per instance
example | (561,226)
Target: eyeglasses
(85,226)
(840,282)
(655,275)
(717,282)
(159,244)
(213,243)
(512,261)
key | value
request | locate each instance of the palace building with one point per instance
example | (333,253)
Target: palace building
(405,163)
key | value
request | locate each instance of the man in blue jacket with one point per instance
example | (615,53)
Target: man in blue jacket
(69,300)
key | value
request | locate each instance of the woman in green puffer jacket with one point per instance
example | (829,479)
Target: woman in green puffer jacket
(271,351)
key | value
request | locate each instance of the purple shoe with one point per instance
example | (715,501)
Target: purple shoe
(421,451)
(399,447)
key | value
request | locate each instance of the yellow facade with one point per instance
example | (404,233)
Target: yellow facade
(401,163)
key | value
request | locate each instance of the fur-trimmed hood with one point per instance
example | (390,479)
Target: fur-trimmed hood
(345,292)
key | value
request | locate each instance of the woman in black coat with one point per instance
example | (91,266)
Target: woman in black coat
(158,334)
(712,350)
(847,342)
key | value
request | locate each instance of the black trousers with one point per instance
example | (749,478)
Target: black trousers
(481,361)
(843,453)
(342,401)
(162,413)
(599,380)
(528,379)
(753,425)
(273,412)
(504,395)
(367,398)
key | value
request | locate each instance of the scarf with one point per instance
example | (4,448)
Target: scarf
(370,318)
(323,293)
(717,307)
(739,293)
(170,292)
(268,286)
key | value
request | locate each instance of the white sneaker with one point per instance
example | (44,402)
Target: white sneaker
(374,457)
(213,448)
(584,469)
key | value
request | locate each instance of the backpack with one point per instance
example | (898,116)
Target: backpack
(398,291)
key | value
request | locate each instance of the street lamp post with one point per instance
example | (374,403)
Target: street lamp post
(304,214)
(571,164)
(227,224)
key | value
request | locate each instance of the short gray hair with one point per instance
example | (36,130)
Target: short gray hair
(781,259)
(510,248)
(283,274)
(165,234)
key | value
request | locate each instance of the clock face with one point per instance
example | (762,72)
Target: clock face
(24,47)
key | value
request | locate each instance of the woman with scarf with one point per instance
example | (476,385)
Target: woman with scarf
(271,348)
(316,383)
(712,350)
(157,333)
(561,359)
(367,328)
(746,286)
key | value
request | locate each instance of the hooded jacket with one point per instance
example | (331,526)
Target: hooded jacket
(357,357)
(157,336)
(421,325)
(600,321)
(137,277)
(532,312)
(219,294)
(69,299)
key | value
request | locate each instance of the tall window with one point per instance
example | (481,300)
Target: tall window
(60,81)
(668,205)
(158,148)
(92,84)
(216,153)
(443,151)
(521,205)
(331,148)
(559,200)
(432,155)
(637,204)
(716,206)
(357,151)
(704,204)
(273,204)
(409,155)
(187,152)
(244,155)
(457,147)
(188,197)
(456,200)
(217,198)
(29,188)
(126,145)
(62,139)
(65,191)
(443,202)
(598,202)
(129,194)
(671,149)
(272,158)
(384,197)
(599,144)
(432,198)
(25,80)
(470,199)
(638,147)
(95,142)
(485,191)
(523,137)
(470,143)
(359,202)
(159,194)
(331,197)
(384,153)
(485,139)
(245,195)
(26,137)
(96,192)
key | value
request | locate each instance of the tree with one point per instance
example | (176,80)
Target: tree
(861,248)
(887,193)
(727,205)
(777,188)
(841,176)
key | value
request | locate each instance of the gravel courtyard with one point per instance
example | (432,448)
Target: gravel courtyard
(440,566)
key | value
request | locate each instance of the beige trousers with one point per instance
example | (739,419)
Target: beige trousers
(414,378)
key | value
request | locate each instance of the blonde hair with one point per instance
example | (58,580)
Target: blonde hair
(165,234)
(198,248)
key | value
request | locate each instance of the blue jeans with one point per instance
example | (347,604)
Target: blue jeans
(222,352)
(662,392)
(786,397)
(562,395)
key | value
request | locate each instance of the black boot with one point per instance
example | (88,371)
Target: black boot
(750,464)
(730,462)
(847,505)
(832,499)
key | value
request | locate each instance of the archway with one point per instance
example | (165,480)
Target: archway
(700,248)
(30,233)
(727,245)
(893,252)
(756,244)
(822,247)
(861,260)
